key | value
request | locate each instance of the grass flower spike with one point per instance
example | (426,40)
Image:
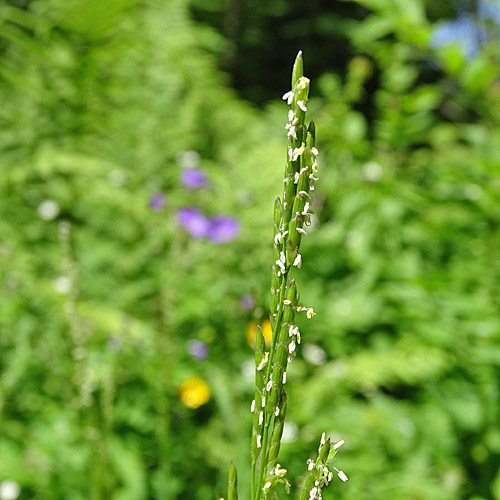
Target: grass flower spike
(291,217)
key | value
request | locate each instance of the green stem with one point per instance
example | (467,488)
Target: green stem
(253,480)
(267,419)
(263,461)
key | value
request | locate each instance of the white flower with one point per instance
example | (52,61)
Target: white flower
(295,153)
(292,132)
(310,313)
(302,105)
(314,354)
(372,171)
(300,230)
(298,261)
(288,97)
(62,284)
(279,472)
(9,490)
(48,210)
(261,417)
(341,475)
(252,408)
(280,265)
(258,441)
(263,362)
(302,83)
(338,445)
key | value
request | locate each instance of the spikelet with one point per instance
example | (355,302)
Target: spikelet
(232,483)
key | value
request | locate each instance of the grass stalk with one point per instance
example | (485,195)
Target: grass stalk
(291,214)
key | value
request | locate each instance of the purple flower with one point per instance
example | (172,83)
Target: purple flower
(157,202)
(247,302)
(198,349)
(223,229)
(193,178)
(194,222)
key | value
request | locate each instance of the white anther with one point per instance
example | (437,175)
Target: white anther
(302,105)
(288,97)
(298,261)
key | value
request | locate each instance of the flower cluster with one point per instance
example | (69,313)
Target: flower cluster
(218,229)
(319,474)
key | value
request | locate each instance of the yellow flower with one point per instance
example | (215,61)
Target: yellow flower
(267,331)
(194,392)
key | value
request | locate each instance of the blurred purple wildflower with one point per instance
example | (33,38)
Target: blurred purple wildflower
(469,31)
(219,229)
(193,178)
(223,229)
(198,349)
(194,222)
(157,202)
(462,32)
(247,302)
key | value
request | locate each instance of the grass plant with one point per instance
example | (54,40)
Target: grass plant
(292,216)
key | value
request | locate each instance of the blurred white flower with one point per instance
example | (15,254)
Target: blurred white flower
(248,369)
(116,178)
(473,192)
(314,354)
(343,306)
(188,159)
(9,490)
(62,284)
(48,210)
(372,171)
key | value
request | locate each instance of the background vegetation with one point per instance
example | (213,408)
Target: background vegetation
(125,366)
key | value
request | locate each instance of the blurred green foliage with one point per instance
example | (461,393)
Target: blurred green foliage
(101,295)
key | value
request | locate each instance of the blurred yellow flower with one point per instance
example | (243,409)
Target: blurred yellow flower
(267,331)
(194,392)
